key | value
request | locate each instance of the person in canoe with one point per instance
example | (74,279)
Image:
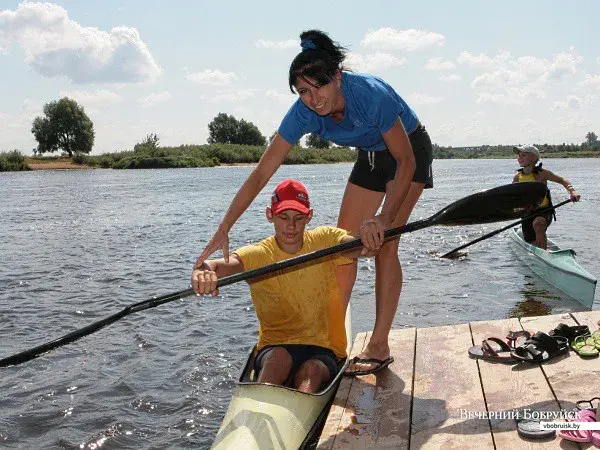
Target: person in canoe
(393,166)
(301,333)
(534,229)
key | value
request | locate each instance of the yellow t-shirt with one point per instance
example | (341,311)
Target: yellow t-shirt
(301,304)
(531,177)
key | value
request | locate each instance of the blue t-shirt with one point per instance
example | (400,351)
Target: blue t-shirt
(372,107)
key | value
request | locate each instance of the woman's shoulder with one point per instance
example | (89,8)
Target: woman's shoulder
(366,83)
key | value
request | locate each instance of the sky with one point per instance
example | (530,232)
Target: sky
(475,73)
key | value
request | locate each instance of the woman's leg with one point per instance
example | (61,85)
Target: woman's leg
(388,282)
(358,205)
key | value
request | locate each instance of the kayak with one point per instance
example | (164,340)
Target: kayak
(557,267)
(262,415)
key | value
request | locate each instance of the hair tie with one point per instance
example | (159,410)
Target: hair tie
(307,44)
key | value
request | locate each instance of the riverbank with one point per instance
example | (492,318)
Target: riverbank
(54,164)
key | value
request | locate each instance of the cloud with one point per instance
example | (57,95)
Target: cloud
(234,97)
(572,102)
(519,80)
(277,45)
(155,97)
(212,77)
(450,77)
(98,97)
(439,64)
(56,46)
(482,60)
(418,98)
(285,99)
(405,40)
(591,80)
(373,62)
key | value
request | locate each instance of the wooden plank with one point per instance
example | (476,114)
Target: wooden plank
(446,383)
(377,413)
(330,429)
(589,318)
(511,387)
(572,378)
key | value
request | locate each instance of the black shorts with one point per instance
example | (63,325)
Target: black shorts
(375,176)
(300,354)
(527,225)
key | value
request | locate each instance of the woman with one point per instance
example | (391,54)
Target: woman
(394,162)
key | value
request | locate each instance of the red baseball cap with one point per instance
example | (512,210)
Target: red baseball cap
(290,194)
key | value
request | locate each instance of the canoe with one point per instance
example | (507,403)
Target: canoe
(557,267)
(262,415)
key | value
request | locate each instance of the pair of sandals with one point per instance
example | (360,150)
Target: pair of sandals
(587,345)
(584,414)
(521,346)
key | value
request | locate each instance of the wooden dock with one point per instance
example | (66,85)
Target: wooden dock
(422,400)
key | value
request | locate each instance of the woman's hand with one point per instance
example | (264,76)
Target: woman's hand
(372,234)
(204,281)
(220,240)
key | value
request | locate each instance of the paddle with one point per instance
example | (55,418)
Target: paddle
(497,204)
(493,233)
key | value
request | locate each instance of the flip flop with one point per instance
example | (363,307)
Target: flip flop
(585,346)
(585,415)
(492,349)
(596,338)
(379,364)
(531,428)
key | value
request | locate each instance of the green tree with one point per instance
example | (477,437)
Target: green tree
(591,138)
(225,129)
(150,141)
(314,141)
(65,126)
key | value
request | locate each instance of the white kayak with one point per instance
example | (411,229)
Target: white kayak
(262,415)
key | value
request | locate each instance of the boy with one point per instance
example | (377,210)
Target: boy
(534,229)
(301,318)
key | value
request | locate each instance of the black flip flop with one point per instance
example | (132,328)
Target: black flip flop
(379,364)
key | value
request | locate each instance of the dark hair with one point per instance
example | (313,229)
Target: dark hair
(319,60)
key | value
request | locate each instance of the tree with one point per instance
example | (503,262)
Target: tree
(150,141)
(591,138)
(65,126)
(226,129)
(314,141)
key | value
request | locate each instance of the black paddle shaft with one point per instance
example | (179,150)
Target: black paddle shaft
(496,204)
(493,233)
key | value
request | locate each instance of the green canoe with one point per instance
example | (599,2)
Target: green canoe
(557,267)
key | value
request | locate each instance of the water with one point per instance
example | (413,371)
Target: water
(77,246)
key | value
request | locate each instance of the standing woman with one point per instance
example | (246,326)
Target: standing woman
(393,167)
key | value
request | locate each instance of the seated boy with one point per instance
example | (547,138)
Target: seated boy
(301,333)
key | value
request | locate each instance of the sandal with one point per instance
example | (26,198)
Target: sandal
(596,338)
(540,348)
(584,415)
(517,338)
(492,349)
(569,332)
(585,346)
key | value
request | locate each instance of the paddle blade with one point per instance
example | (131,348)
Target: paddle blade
(498,204)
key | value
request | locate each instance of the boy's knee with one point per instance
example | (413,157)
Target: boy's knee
(313,369)
(278,356)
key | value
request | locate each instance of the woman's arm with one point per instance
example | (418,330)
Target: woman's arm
(256,181)
(399,146)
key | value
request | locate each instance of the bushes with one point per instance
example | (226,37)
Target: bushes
(12,161)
